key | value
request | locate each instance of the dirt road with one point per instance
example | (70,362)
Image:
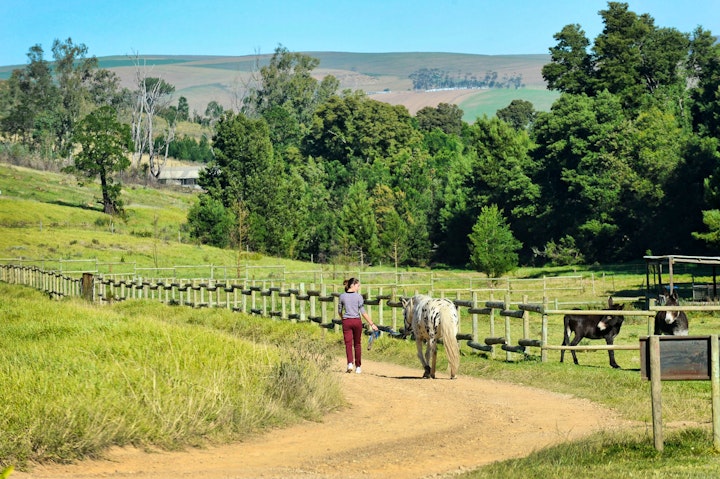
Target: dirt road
(397,426)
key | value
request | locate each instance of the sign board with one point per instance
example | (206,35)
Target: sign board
(682,358)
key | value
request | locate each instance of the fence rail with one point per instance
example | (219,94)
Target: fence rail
(317,302)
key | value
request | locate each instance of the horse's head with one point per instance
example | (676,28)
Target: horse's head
(610,321)
(408,310)
(672,300)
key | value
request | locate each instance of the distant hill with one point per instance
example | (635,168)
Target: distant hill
(384,76)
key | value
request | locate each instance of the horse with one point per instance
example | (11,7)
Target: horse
(672,323)
(431,320)
(592,327)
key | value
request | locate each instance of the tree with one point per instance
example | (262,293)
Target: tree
(629,58)
(520,114)
(704,68)
(74,72)
(44,101)
(357,227)
(493,248)
(213,112)
(288,91)
(447,117)
(503,173)
(242,169)
(104,145)
(570,70)
(32,103)
(152,96)
(183,109)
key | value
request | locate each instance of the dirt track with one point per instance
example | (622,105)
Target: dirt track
(397,426)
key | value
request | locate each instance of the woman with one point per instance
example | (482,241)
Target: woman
(350,309)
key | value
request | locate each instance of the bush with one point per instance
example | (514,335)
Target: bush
(210,222)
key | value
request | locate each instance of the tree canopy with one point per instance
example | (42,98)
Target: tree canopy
(307,171)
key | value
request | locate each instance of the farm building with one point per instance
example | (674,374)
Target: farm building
(181,175)
(703,270)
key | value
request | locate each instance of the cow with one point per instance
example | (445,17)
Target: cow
(591,326)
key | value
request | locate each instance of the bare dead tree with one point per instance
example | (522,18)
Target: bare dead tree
(152,95)
(242,85)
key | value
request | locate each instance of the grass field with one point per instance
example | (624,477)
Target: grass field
(46,216)
(488,102)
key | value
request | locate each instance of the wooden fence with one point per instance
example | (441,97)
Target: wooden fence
(317,303)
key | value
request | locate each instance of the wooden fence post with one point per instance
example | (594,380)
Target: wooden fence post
(88,286)
(656,391)
(715,388)
(544,332)
(508,354)
(474,317)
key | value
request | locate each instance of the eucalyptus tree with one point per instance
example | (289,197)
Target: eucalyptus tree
(44,100)
(288,94)
(32,101)
(74,72)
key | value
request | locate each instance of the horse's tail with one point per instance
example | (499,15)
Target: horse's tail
(448,328)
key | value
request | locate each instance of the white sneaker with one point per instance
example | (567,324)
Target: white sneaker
(358,370)
(350,367)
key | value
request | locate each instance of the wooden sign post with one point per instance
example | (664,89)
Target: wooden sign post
(680,358)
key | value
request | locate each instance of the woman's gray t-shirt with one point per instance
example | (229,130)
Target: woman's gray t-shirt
(352,303)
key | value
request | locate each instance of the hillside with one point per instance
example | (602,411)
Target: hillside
(384,76)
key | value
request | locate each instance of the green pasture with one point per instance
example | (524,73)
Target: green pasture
(488,102)
(78,378)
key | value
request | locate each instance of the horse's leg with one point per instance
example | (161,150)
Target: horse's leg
(426,358)
(421,357)
(566,337)
(434,359)
(611,353)
(574,342)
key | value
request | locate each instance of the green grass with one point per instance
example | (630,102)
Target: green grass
(77,378)
(687,454)
(488,102)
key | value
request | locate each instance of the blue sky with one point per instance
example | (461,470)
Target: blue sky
(246,27)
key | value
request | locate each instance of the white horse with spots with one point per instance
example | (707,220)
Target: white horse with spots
(431,320)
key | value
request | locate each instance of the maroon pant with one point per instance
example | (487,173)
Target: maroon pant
(352,334)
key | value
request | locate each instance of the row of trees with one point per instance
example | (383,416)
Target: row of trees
(434,78)
(626,161)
